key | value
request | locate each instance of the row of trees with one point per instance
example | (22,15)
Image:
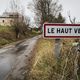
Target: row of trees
(48,10)
(45,10)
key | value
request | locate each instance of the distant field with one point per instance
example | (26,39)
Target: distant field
(6,35)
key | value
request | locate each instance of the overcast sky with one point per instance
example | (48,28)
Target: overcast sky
(71,6)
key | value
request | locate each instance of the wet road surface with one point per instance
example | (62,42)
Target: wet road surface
(15,54)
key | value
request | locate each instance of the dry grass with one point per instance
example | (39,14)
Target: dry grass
(69,61)
(44,60)
(46,67)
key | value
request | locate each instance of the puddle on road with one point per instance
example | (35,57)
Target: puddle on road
(21,48)
(1,57)
(6,63)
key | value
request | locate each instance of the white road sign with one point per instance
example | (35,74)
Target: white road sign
(61,30)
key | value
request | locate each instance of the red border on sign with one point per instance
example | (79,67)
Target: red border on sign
(48,24)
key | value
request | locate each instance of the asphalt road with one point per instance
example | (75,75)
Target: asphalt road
(12,57)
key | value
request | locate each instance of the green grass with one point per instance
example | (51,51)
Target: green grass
(6,35)
(5,28)
(3,42)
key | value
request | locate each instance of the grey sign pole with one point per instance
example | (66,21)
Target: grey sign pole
(57,48)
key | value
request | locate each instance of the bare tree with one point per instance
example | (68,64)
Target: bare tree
(19,23)
(73,21)
(46,9)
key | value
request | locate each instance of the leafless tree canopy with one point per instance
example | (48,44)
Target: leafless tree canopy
(72,21)
(46,8)
(21,22)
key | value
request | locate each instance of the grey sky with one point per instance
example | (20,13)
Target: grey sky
(68,5)
(72,6)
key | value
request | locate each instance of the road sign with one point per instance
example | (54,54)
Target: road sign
(61,30)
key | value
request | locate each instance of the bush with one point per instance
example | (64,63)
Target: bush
(3,42)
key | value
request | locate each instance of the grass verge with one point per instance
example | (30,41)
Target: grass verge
(43,61)
(46,67)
